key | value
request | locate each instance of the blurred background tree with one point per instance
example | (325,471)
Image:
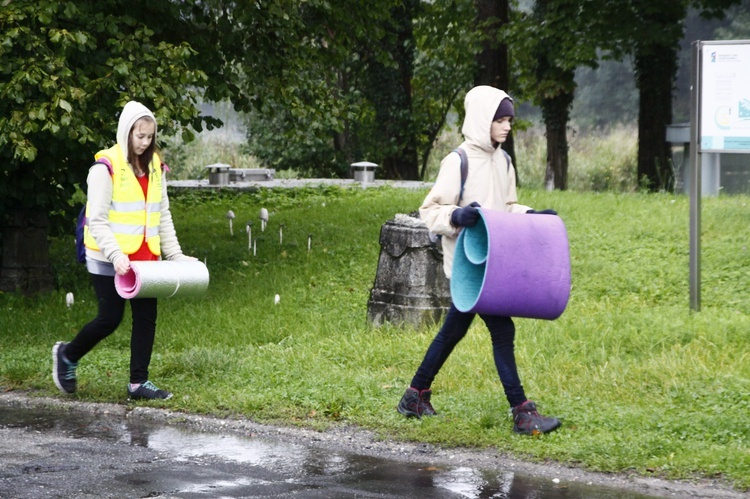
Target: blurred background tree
(66,70)
(323,83)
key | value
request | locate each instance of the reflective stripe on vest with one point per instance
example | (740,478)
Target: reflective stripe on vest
(131,215)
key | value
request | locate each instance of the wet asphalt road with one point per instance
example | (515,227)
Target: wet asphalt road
(66,452)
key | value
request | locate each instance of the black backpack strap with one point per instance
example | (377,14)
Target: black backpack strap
(464,169)
(507,157)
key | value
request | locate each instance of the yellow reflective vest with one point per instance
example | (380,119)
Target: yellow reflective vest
(131,215)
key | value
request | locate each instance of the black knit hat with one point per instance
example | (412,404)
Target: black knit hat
(504,109)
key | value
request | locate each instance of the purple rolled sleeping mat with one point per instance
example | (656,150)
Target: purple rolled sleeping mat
(512,264)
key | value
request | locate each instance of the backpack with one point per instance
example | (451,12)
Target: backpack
(81,221)
(435,238)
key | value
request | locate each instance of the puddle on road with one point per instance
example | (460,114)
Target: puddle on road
(303,467)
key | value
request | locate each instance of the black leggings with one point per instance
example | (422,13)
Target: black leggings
(455,326)
(111,310)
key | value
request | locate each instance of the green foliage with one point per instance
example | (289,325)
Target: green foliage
(651,33)
(67,70)
(739,26)
(606,96)
(309,116)
(643,385)
(550,43)
(443,70)
(350,102)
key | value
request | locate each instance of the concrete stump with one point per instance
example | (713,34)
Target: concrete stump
(410,286)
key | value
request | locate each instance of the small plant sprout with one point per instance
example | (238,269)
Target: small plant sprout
(263,219)
(249,230)
(230,216)
(281,234)
(309,242)
(69,300)
(276,299)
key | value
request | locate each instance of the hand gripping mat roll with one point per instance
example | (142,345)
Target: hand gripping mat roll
(512,264)
(163,279)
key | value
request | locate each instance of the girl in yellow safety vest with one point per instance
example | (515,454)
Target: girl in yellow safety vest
(128,219)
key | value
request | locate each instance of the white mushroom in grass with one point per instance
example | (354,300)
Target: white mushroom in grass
(281,234)
(276,299)
(309,242)
(69,300)
(230,216)
(263,218)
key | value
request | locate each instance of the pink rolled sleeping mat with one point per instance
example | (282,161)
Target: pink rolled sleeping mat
(512,264)
(163,279)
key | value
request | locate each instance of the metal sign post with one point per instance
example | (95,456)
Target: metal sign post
(695,181)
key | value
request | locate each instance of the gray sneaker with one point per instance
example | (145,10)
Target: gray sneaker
(416,404)
(148,391)
(63,371)
(527,421)
(409,403)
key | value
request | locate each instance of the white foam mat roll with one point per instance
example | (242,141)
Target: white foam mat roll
(163,279)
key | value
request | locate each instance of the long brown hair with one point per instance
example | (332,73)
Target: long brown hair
(141,162)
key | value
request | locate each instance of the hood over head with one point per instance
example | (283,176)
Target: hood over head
(132,112)
(480,104)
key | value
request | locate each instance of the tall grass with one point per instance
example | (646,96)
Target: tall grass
(642,384)
(599,160)
(602,160)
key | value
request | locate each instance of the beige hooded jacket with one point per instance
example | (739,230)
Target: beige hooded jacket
(491,179)
(99,198)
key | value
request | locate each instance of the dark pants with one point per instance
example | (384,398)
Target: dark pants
(502,332)
(111,310)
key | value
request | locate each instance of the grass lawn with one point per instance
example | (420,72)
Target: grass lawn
(641,383)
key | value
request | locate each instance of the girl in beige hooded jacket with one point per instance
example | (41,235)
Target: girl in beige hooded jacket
(490,184)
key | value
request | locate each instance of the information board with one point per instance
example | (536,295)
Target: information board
(725,97)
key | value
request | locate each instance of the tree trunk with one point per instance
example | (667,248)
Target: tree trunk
(392,97)
(492,60)
(656,69)
(655,59)
(25,259)
(556,113)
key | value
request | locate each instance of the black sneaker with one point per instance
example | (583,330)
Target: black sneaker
(529,422)
(149,391)
(63,371)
